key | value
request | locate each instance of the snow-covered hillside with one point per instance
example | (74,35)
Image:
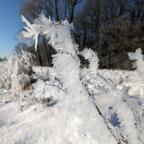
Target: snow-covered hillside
(69,105)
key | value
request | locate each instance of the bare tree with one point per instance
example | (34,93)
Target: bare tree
(56,10)
(71,8)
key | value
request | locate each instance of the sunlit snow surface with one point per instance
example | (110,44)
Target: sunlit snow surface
(71,120)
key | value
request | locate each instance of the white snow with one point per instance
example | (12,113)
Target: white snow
(73,119)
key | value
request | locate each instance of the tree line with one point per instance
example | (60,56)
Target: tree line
(110,27)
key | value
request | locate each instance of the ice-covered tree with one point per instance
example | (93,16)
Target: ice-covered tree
(16,72)
(67,65)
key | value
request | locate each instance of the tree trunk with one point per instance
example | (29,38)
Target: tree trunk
(56,10)
(39,56)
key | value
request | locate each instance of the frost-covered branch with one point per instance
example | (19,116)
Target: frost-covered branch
(92,57)
(138,57)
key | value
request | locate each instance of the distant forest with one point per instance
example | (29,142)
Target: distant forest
(110,27)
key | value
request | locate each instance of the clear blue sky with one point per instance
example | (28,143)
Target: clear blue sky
(10,25)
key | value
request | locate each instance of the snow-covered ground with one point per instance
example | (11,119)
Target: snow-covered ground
(68,119)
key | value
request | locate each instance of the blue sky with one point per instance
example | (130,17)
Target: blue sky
(10,25)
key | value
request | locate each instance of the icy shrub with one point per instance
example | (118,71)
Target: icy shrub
(16,72)
(76,96)
(21,72)
(138,59)
(4,76)
(92,57)
(66,61)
